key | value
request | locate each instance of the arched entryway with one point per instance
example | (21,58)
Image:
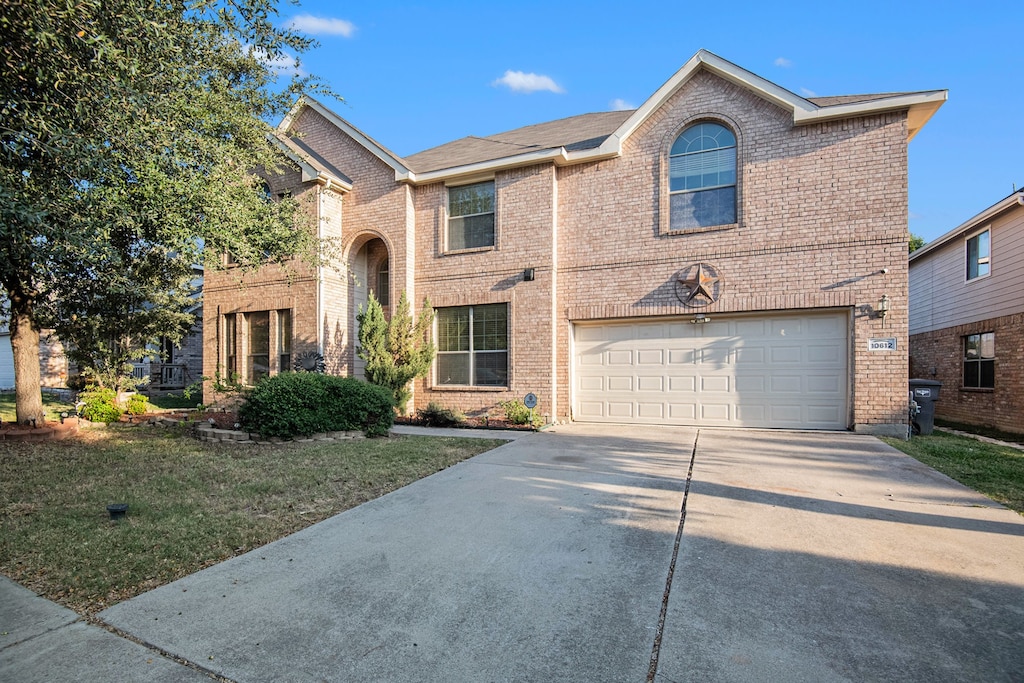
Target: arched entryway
(370,271)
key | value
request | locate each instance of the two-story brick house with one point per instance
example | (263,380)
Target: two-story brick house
(967,317)
(722,255)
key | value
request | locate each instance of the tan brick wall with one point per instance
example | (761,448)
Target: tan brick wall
(822,211)
(939,355)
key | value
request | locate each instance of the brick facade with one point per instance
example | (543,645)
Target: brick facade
(939,355)
(822,224)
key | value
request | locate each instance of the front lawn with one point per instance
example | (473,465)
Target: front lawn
(192,504)
(996,471)
(51,404)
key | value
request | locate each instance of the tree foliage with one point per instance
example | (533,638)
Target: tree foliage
(129,135)
(916,242)
(396,351)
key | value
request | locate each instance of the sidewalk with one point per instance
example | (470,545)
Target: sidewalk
(42,642)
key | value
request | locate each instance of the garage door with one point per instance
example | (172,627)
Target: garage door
(6,362)
(785,370)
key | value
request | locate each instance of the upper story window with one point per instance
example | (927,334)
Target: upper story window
(979,253)
(702,177)
(980,361)
(471,216)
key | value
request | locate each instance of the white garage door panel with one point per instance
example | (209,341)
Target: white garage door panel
(785,370)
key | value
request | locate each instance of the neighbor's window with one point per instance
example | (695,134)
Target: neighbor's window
(472,345)
(284,340)
(471,216)
(979,361)
(258,366)
(702,177)
(979,252)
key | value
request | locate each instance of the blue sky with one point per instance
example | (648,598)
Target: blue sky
(417,75)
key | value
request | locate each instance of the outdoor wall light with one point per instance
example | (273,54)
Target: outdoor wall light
(700,320)
(883,306)
(529,275)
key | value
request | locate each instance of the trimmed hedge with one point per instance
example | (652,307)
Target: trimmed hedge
(303,403)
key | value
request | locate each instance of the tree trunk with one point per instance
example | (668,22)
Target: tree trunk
(25,348)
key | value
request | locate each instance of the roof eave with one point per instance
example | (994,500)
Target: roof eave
(1015,199)
(402,172)
(309,172)
(920,108)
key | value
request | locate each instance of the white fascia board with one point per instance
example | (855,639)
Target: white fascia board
(971,224)
(721,67)
(401,170)
(919,106)
(487,168)
(922,105)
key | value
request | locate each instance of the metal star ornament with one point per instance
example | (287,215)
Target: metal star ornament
(698,285)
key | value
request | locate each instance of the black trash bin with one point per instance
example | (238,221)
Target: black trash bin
(926,393)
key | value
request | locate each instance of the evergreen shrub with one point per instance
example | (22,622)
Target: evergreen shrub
(295,404)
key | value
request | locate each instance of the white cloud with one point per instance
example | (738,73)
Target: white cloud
(783,62)
(322,26)
(807,92)
(619,104)
(283,63)
(518,81)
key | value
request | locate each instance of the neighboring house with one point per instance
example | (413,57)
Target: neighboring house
(176,367)
(53,364)
(967,317)
(727,254)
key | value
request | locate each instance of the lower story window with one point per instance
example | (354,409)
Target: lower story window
(258,366)
(257,344)
(472,345)
(980,361)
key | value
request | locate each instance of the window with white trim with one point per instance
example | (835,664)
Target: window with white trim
(471,216)
(472,346)
(702,177)
(979,255)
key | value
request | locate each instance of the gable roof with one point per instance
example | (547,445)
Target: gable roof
(1016,198)
(402,171)
(313,166)
(590,137)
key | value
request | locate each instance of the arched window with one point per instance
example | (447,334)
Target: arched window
(702,177)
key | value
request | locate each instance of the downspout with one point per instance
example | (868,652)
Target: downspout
(319,273)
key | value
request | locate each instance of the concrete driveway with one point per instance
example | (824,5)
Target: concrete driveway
(590,553)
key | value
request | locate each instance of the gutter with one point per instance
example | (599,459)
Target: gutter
(991,212)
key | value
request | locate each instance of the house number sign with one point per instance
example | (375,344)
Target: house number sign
(886,344)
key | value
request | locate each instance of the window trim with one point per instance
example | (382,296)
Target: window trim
(986,260)
(472,355)
(979,361)
(666,193)
(446,227)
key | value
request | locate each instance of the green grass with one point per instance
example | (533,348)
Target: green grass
(192,504)
(991,432)
(996,471)
(51,405)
